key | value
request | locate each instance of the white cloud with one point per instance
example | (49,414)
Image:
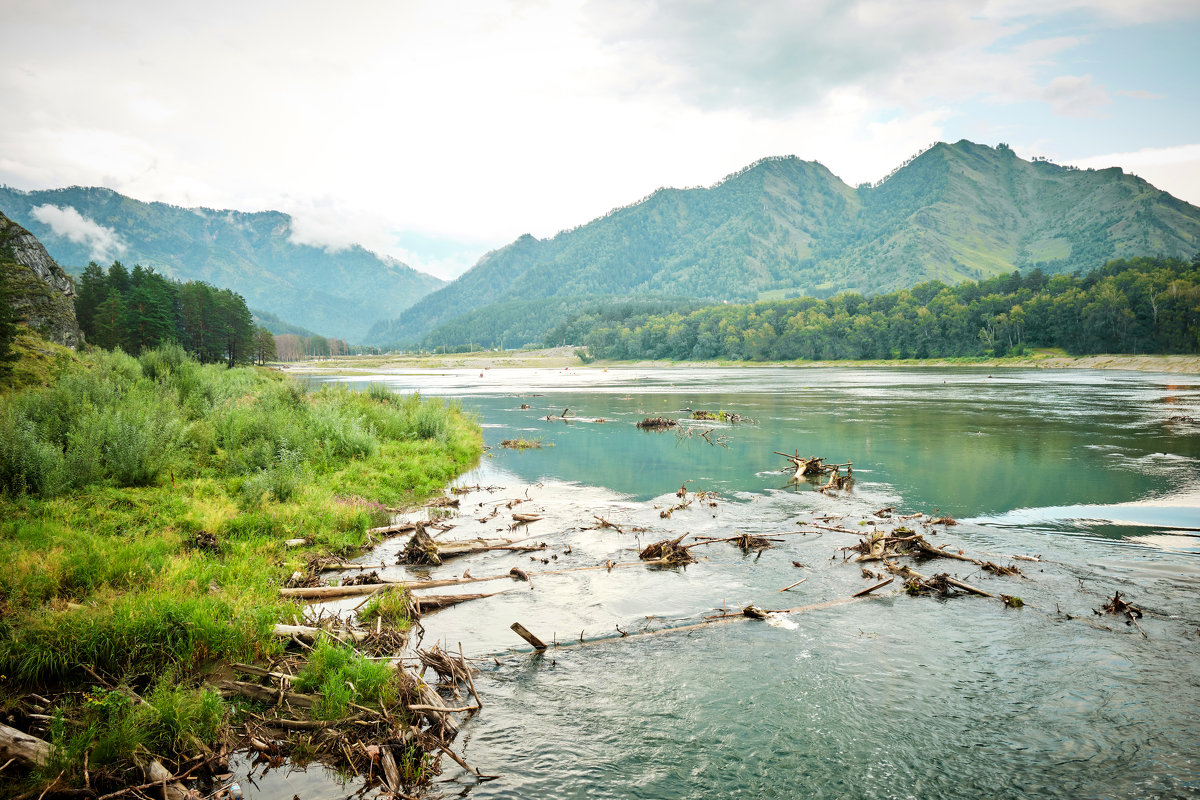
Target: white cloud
(103,243)
(480,121)
(1075,96)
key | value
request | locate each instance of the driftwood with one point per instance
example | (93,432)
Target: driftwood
(433,602)
(668,551)
(387,530)
(1116,605)
(811,466)
(915,582)
(657,423)
(869,589)
(267,695)
(28,750)
(326,592)
(524,633)
(311,633)
(171,789)
(422,549)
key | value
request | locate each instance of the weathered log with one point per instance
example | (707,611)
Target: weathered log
(399,527)
(387,583)
(439,717)
(524,633)
(310,633)
(264,694)
(26,749)
(391,772)
(433,602)
(171,789)
(526,517)
(869,589)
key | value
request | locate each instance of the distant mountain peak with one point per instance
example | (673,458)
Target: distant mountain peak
(782,226)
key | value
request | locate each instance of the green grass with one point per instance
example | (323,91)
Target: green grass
(342,676)
(114,480)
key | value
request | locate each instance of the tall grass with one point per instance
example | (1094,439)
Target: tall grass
(114,482)
(343,676)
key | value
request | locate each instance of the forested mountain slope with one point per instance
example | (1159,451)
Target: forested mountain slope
(339,293)
(783,227)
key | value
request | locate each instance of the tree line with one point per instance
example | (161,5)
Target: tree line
(139,309)
(1138,305)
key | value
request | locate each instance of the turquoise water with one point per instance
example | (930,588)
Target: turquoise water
(891,696)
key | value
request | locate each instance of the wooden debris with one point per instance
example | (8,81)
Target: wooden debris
(869,589)
(1120,607)
(421,549)
(794,585)
(310,633)
(524,633)
(656,424)
(28,750)
(941,521)
(526,517)
(999,570)
(399,527)
(434,602)
(669,552)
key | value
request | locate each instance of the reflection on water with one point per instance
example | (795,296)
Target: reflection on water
(889,696)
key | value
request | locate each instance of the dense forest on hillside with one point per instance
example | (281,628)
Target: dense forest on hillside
(786,228)
(1140,305)
(139,310)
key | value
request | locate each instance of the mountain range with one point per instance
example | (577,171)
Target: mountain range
(338,293)
(783,227)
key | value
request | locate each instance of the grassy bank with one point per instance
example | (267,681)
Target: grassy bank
(144,506)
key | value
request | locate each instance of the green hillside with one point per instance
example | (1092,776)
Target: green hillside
(783,227)
(338,293)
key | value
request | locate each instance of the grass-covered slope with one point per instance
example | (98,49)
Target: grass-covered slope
(339,293)
(785,228)
(144,506)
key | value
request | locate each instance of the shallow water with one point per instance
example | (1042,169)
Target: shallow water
(889,696)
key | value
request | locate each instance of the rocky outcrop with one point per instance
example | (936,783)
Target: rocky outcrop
(42,295)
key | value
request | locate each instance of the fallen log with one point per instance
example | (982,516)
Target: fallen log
(524,633)
(26,749)
(267,695)
(326,592)
(433,602)
(399,527)
(311,633)
(869,589)
(171,789)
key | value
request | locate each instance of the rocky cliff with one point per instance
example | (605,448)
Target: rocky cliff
(42,295)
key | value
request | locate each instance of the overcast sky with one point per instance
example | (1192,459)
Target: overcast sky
(435,131)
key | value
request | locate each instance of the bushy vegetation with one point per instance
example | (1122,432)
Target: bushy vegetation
(144,506)
(1141,305)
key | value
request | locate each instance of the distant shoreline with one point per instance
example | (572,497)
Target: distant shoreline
(559,357)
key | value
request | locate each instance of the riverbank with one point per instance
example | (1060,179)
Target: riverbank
(559,357)
(150,511)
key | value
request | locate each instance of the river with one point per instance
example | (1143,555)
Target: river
(890,696)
